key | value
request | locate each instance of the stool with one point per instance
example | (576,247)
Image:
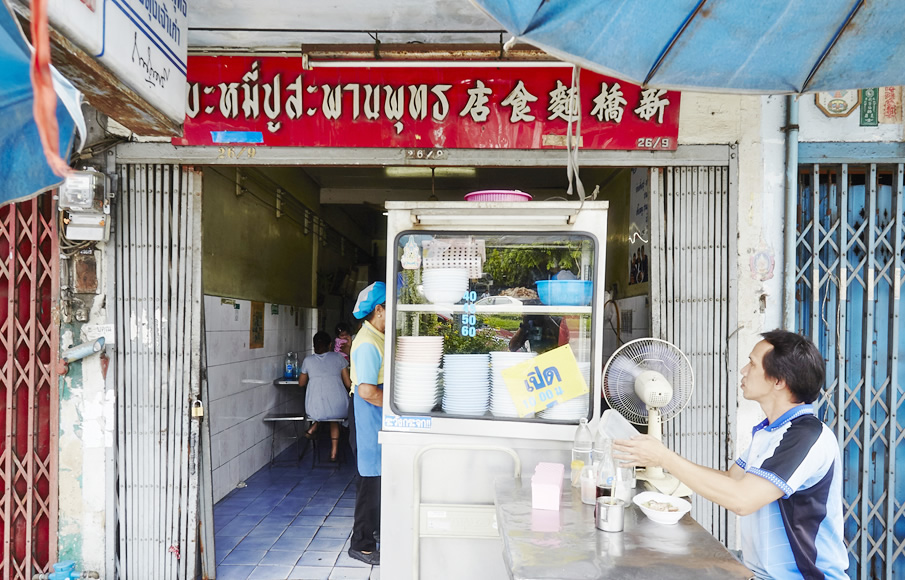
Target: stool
(315,452)
(286,420)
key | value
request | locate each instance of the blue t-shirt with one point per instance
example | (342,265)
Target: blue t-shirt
(367,367)
(799,535)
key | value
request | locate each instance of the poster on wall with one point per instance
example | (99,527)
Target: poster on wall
(639,227)
(256,332)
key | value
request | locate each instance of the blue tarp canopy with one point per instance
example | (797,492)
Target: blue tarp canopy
(24,171)
(727,46)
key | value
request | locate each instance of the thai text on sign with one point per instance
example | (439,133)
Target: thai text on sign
(272,101)
(546,380)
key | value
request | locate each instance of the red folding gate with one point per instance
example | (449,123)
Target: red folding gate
(29,289)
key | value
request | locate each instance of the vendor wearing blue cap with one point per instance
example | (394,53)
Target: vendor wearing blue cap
(367,402)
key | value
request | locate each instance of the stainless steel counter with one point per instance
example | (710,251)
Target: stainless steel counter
(565,545)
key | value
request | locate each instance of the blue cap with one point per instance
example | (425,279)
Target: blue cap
(368,299)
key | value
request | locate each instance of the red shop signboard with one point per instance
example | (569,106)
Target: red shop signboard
(272,101)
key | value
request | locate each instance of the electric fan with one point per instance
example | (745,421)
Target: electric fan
(649,380)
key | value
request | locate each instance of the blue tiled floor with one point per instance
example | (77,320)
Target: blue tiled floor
(289,522)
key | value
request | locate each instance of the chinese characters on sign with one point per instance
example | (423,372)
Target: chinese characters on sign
(271,101)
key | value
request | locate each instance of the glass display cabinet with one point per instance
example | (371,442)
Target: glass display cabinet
(470,306)
(493,354)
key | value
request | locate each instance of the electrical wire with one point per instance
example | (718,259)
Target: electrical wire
(618,328)
(69,247)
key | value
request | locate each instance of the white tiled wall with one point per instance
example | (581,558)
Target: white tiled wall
(240,383)
(639,306)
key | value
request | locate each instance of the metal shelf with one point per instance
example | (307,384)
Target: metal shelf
(488,309)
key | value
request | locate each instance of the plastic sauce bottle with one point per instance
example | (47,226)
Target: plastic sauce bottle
(606,471)
(581,450)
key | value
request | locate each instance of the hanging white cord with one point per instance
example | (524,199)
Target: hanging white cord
(572,146)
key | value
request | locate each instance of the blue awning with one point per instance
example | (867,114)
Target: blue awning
(728,46)
(24,171)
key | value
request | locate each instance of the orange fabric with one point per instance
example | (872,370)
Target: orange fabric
(45,107)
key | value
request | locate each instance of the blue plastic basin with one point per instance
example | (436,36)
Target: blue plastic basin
(565,292)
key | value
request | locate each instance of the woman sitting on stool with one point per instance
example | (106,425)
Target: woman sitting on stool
(327,376)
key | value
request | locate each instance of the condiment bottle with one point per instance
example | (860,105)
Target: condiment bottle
(581,450)
(606,470)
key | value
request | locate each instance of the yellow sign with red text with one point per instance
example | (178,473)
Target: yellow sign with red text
(544,381)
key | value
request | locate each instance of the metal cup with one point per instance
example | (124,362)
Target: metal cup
(610,514)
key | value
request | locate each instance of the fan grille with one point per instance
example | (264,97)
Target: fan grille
(646,354)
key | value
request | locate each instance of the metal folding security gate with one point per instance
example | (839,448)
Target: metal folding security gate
(693,295)
(29,340)
(850,265)
(158,337)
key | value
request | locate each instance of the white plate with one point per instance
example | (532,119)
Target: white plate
(414,367)
(461,378)
(411,376)
(418,358)
(426,370)
(430,401)
(415,407)
(409,385)
(467,387)
(477,368)
(469,412)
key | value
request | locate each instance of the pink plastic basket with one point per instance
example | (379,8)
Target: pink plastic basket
(498,195)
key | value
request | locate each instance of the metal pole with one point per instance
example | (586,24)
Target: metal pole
(791,199)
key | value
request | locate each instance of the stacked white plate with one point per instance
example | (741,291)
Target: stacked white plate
(444,285)
(501,404)
(416,384)
(574,408)
(466,384)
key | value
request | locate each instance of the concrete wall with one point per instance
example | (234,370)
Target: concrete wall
(753,123)
(249,252)
(240,383)
(636,309)
(87,421)
(815,126)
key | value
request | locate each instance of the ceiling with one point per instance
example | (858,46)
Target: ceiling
(351,185)
(276,24)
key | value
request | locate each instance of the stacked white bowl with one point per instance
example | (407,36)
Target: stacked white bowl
(501,404)
(573,408)
(444,285)
(466,384)
(416,385)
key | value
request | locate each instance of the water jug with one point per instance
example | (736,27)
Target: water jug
(290,366)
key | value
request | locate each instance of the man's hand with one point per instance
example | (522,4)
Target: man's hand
(640,451)
(735,490)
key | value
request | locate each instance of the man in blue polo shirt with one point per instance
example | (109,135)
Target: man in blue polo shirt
(788,485)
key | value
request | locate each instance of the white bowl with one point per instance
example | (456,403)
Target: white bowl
(444,296)
(662,517)
(432,272)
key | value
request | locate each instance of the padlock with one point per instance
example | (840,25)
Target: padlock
(197,409)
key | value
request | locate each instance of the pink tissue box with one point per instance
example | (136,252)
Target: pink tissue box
(546,486)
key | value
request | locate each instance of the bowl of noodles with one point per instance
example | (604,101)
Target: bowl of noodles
(662,508)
